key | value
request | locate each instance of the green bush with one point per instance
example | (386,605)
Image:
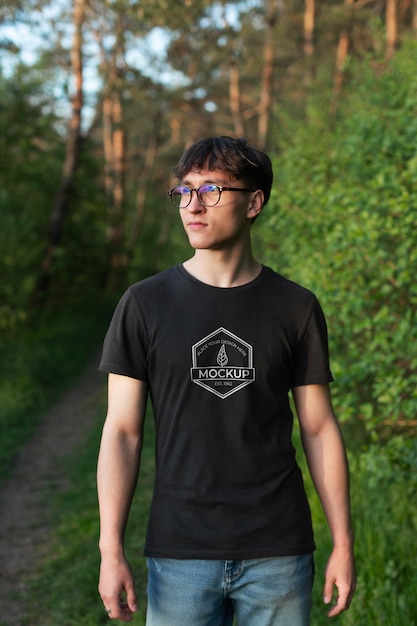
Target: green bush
(343,222)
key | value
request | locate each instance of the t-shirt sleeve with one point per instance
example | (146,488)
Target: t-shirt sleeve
(311,365)
(124,348)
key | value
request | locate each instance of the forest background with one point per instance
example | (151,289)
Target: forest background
(91,123)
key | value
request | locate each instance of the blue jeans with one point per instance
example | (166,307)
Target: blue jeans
(260,592)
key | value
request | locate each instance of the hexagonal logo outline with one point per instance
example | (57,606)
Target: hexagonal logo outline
(222,363)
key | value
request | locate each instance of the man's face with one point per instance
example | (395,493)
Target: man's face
(225,225)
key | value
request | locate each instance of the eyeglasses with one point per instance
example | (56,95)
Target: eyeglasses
(208,195)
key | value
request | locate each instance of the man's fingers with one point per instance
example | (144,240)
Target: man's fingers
(131,599)
(342,603)
(120,611)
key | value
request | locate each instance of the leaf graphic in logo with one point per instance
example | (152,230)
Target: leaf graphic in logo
(222,359)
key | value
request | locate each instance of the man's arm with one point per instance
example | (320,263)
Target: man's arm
(326,458)
(117,473)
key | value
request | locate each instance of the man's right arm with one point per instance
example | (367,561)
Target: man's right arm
(117,473)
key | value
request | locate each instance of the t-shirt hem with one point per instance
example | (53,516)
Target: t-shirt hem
(313,381)
(232,554)
(114,369)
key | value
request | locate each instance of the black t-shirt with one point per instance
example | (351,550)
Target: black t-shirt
(219,364)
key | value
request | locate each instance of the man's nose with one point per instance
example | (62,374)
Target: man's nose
(195,205)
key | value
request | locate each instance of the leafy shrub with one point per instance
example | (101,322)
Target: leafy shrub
(343,223)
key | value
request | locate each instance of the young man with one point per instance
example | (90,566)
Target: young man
(218,342)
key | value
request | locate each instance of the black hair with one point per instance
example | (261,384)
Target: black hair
(235,156)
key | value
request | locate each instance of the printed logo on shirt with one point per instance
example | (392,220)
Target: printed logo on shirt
(222,363)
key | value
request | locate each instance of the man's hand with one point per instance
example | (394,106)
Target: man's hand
(116,583)
(340,572)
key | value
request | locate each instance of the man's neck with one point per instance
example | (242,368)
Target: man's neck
(222,270)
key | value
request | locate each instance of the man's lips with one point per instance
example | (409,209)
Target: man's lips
(196,225)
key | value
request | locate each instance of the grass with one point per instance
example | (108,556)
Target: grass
(385,525)
(40,360)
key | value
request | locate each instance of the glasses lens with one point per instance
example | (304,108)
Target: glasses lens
(181,196)
(209,195)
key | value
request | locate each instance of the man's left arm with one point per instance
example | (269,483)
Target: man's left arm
(326,457)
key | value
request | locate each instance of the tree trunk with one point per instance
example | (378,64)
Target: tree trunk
(309,17)
(414,17)
(145,177)
(234,98)
(267,73)
(61,202)
(114,150)
(391,27)
(119,160)
(114,147)
(341,56)
(107,114)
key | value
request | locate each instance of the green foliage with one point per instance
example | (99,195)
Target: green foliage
(81,260)
(385,527)
(39,361)
(30,154)
(31,157)
(343,222)
(384,487)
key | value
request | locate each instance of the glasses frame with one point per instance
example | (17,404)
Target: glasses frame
(220,188)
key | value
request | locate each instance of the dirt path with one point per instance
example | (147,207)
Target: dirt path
(24,514)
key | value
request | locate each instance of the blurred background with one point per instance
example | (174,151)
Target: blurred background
(98,99)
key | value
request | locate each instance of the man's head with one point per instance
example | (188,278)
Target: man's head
(236,157)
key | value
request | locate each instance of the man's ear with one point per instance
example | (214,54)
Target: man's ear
(256,204)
